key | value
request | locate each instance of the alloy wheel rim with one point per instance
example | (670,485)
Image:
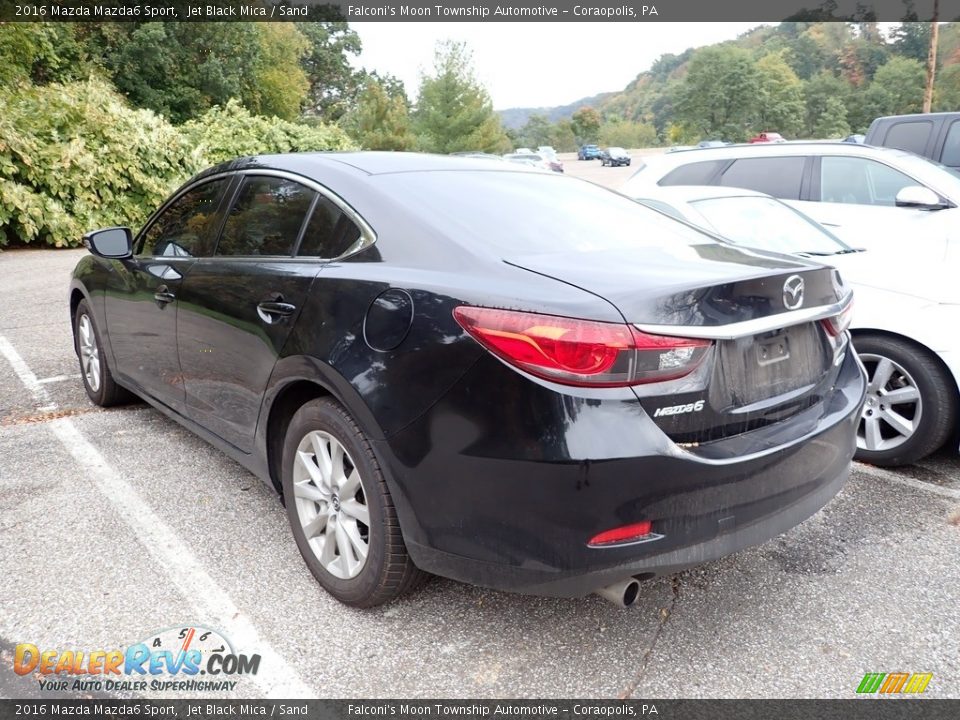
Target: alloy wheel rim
(89,353)
(331,504)
(893,408)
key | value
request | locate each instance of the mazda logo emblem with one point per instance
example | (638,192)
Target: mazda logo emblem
(793,292)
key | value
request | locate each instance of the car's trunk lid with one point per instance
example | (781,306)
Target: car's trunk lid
(771,358)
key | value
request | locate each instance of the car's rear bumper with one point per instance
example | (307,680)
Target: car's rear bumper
(489,507)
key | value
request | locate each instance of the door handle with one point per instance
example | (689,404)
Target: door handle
(272,312)
(162,295)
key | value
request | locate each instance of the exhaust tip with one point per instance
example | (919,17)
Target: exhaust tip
(623,594)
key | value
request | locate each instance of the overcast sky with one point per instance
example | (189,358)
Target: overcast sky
(526,64)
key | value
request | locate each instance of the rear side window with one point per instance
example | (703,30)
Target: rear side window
(330,232)
(699,173)
(777,176)
(859,181)
(182,229)
(266,217)
(909,136)
(951,146)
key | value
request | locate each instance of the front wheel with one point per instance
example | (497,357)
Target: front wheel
(343,518)
(97,378)
(911,402)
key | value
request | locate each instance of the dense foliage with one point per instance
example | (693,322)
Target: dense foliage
(76,156)
(802,79)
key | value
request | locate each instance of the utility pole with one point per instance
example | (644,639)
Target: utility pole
(931,59)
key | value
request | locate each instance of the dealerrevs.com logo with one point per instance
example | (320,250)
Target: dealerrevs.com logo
(191,658)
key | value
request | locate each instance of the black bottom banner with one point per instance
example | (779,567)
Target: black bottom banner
(874,708)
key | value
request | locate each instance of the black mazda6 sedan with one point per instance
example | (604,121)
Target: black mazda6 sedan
(505,377)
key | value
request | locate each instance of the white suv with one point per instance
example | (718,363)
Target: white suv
(870,197)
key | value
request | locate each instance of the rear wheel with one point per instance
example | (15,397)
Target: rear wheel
(911,402)
(340,509)
(97,378)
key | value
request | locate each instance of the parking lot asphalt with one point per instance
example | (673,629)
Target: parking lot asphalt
(118,523)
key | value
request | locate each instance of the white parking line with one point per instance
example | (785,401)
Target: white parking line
(276,678)
(881,474)
(59,378)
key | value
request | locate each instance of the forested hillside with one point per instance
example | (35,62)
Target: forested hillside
(804,80)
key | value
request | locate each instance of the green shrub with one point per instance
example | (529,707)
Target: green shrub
(223,133)
(76,156)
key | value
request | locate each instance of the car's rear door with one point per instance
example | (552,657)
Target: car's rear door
(142,294)
(238,306)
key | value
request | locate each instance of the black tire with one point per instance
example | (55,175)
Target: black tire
(387,572)
(107,393)
(938,397)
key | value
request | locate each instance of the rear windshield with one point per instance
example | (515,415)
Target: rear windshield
(512,212)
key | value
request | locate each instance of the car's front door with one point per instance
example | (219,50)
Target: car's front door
(141,297)
(855,198)
(239,305)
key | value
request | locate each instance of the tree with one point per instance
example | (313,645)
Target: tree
(382,119)
(334,84)
(903,79)
(454,111)
(912,39)
(537,131)
(563,138)
(585,123)
(182,69)
(719,98)
(780,99)
(626,134)
(277,84)
(832,121)
(947,93)
(824,95)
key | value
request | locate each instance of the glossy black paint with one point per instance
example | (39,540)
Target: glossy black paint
(499,478)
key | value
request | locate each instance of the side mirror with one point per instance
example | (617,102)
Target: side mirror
(114,243)
(915,196)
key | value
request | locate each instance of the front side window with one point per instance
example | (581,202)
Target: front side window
(909,136)
(266,218)
(859,181)
(183,228)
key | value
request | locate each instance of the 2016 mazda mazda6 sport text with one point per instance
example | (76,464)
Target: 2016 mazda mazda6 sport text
(493,374)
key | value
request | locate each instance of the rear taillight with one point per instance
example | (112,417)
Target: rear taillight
(581,352)
(625,534)
(838,324)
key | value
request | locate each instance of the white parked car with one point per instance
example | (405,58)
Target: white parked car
(869,197)
(906,318)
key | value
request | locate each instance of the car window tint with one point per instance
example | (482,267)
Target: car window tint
(859,181)
(909,136)
(698,173)
(777,176)
(330,232)
(266,217)
(182,229)
(951,146)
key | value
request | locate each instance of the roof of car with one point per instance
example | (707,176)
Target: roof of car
(368,163)
(796,147)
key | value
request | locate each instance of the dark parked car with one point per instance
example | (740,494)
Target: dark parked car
(451,366)
(588,152)
(614,157)
(932,135)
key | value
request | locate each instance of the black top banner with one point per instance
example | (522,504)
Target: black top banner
(866,709)
(476,10)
